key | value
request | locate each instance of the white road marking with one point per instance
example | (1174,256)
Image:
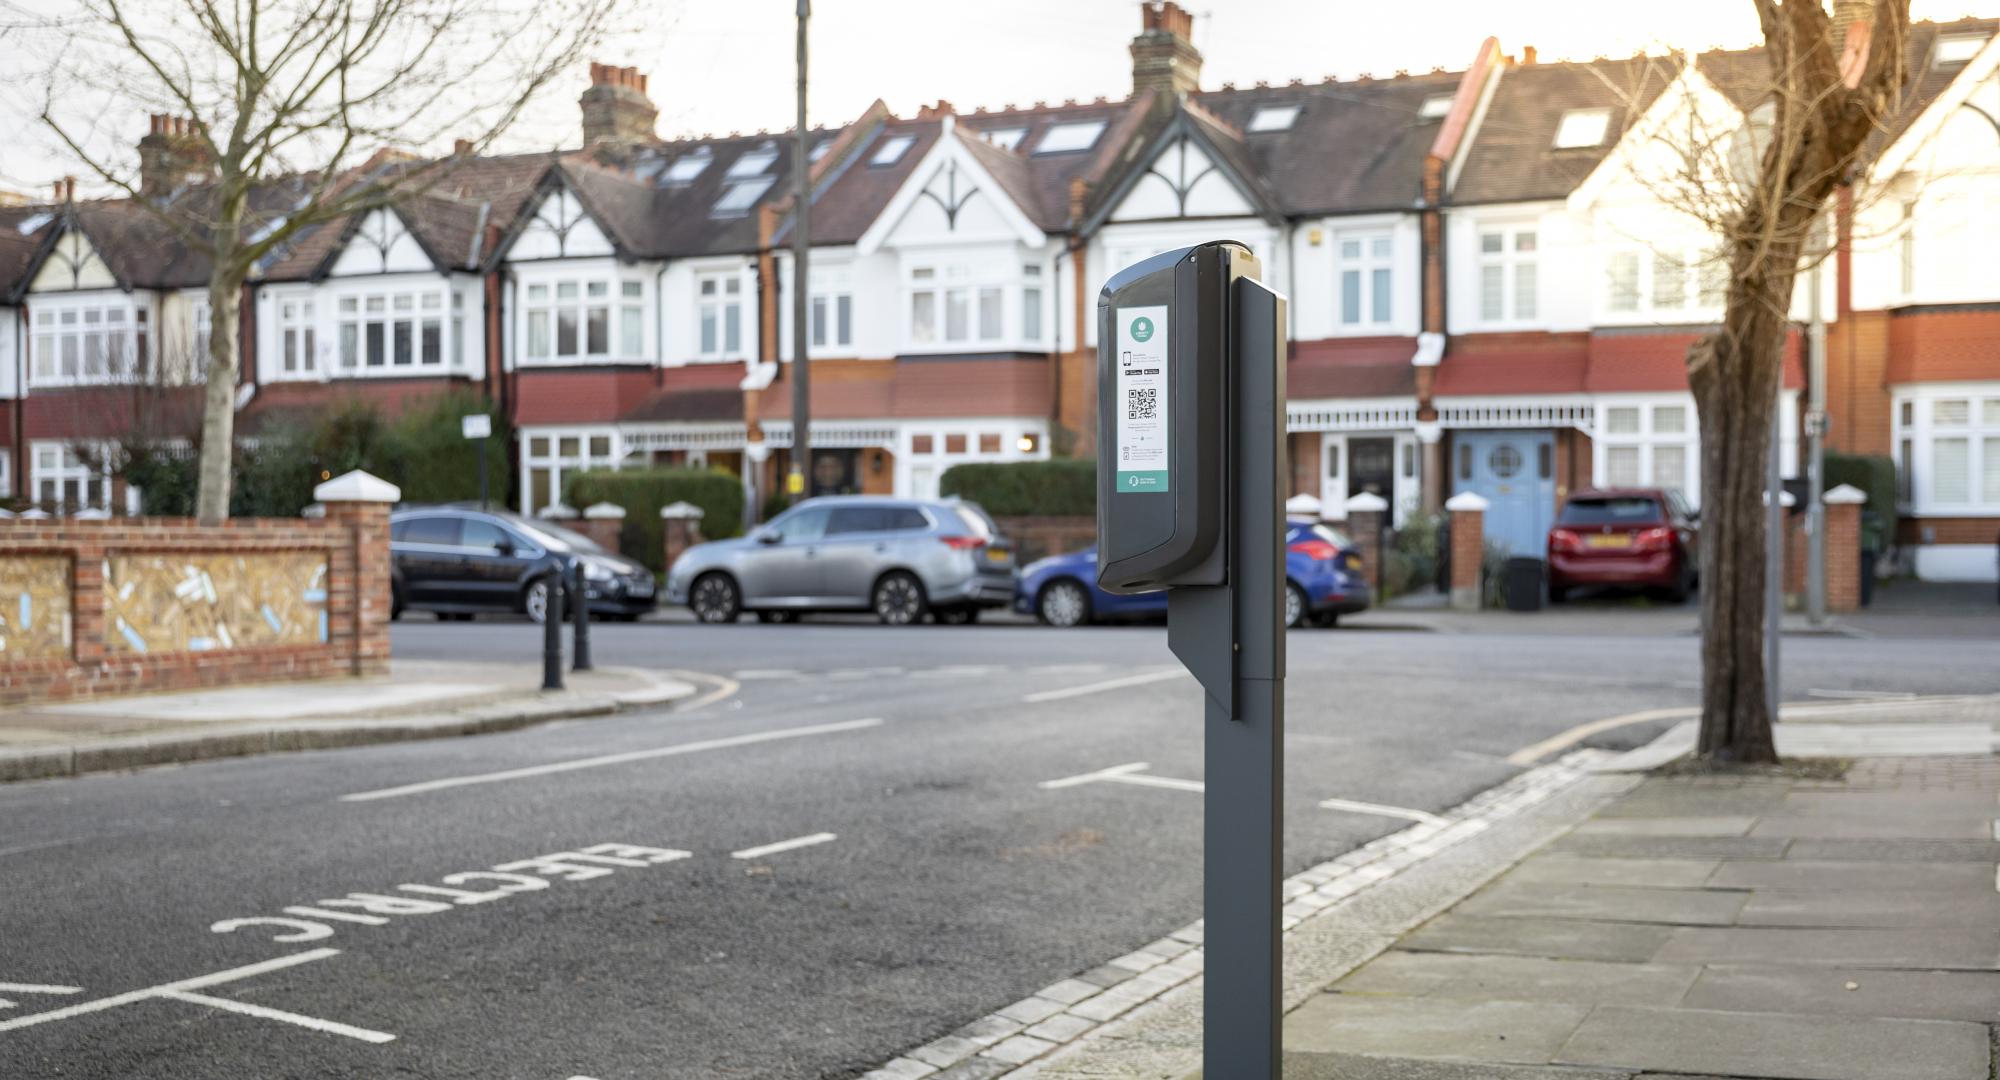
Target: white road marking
(24,848)
(723,688)
(1068,669)
(1133,773)
(573,765)
(748,674)
(33,988)
(853,674)
(954,671)
(265,1013)
(196,983)
(1863,695)
(783,845)
(1108,684)
(1528,755)
(1354,806)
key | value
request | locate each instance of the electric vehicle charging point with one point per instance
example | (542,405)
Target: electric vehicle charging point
(1190,498)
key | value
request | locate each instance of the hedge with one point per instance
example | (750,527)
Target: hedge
(643,491)
(1875,475)
(1066,487)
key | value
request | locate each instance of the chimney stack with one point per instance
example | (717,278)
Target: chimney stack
(1527,56)
(1848,12)
(171,155)
(1163,55)
(616,108)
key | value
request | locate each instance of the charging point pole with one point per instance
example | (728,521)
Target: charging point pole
(1218,461)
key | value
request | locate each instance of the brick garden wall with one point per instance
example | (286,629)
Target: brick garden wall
(98,656)
(1038,536)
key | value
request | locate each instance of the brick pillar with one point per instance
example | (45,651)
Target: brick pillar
(680,529)
(1468,549)
(1843,547)
(603,522)
(1367,514)
(358,598)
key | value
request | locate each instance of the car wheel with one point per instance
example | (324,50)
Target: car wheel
(1678,592)
(1558,594)
(395,604)
(535,602)
(1295,605)
(714,599)
(1063,603)
(1326,620)
(898,599)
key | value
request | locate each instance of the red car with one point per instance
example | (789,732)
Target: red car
(1634,537)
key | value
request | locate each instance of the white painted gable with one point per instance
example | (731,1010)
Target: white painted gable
(560,229)
(382,245)
(953,206)
(73,264)
(1183,181)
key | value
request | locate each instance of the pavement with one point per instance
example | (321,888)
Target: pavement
(861,842)
(417,699)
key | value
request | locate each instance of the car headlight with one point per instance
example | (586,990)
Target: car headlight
(597,572)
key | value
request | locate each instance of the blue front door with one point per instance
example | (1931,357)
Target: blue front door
(1514,471)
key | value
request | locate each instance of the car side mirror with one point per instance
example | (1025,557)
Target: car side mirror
(768,536)
(503,547)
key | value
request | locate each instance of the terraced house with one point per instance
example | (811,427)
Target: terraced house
(1493,283)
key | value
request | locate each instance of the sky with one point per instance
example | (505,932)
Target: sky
(717,66)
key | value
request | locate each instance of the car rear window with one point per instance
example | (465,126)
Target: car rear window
(428,530)
(1627,510)
(975,520)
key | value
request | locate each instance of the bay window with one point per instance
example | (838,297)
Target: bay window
(1948,448)
(1647,444)
(548,457)
(1672,282)
(568,320)
(719,313)
(90,342)
(956,305)
(1365,275)
(830,308)
(1509,282)
(65,481)
(389,333)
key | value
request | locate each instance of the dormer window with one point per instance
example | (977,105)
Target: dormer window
(1064,138)
(753,163)
(1274,118)
(1006,138)
(892,150)
(1956,49)
(740,196)
(1435,107)
(689,165)
(1582,128)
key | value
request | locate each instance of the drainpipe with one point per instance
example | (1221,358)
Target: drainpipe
(660,324)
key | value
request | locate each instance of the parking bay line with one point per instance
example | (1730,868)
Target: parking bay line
(531,771)
(1108,684)
(783,845)
(1135,773)
(182,991)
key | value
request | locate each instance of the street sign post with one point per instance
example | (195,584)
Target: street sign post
(1190,492)
(478,426)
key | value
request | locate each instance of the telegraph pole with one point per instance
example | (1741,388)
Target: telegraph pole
(797,484)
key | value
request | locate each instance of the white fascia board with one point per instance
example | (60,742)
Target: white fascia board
(948,147)
(1896,157)
(1692,90)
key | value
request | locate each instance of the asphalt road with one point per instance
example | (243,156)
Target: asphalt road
(953,882)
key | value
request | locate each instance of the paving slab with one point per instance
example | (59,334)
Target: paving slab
(1673,847)
(1917,995)
(1861,825)
(1361,1067)
(1561,938)
(1607,903)
(1508,1032)
(1849,876)
(1655,800)
(1585,870)
(1779,1045)
(1520,978)
(1953,949)
(1967,908)
(1985,851)
(1667,826)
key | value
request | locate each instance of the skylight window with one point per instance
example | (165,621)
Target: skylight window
(689,166)
(1435,106)
(1582,127)
(893,149)
(1957,49)
(740,196)
(1274,118)
(820,148)
(30,224)
(753,163)
(1006,138)
(1063,138)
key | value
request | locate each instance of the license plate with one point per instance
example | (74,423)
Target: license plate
(996,555)
(1609,540)
(1352,562)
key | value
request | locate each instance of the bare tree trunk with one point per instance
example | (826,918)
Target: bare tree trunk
(1735,375)
(218,411)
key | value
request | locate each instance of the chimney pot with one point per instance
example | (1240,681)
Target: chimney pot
(1163,55)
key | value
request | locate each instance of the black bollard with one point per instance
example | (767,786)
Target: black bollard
(580,604)
(552,675)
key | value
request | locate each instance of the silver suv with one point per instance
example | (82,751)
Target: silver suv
(899,558)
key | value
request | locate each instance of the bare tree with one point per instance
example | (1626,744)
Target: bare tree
(1830,90)
(287,108)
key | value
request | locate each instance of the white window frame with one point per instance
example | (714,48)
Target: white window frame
(1647,440)
(1375,261)
(719,305)
(919,470)
(546,297)
(60,333)
(1913,417)
(543,448)
(1702,276)
(297,340)
(391,306)
(55,463)
(1509,261)
(1576,124)
(941,284)
(6,473)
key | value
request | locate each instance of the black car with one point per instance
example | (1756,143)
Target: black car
(458,562)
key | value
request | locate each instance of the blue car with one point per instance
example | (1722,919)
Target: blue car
(1323,581)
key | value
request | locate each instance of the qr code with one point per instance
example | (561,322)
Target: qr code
(1142,404)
